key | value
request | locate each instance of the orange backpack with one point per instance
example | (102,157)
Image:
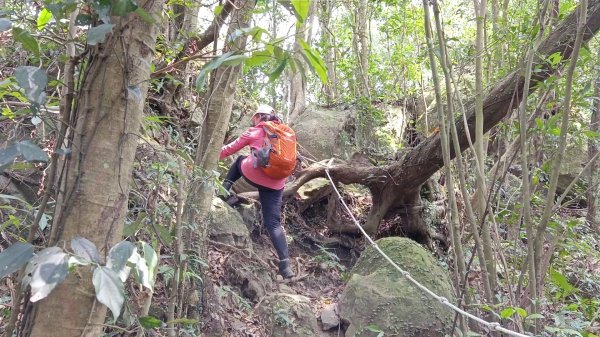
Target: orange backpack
(277,157)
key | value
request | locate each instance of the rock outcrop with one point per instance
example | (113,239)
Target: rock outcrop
(378,297)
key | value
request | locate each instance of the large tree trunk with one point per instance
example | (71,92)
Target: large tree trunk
(328,41)
(201,193)
(414,167)
(361,45)
(93,197)
(297,82)
(593,199)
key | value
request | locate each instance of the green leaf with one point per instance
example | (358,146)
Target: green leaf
(151,259)
(258,58)
(561,281)
(186,321)
(6,196)
(234,60)
(43,18)
(28,41)
(275,73)
(165,235)
(14,257)
(109,289)
(374,328)
(301,8)
(554,131)
(43,221)
(5,25)
(30,151)
(118,257)
(150,322)
(145,15)
(591,134)
(521,312)
(85,248)
(98,34)
(314,60)
(555,58)
(210,66)
(51,268)
(33,80)
(218,10)
(123,7)
(132,228)
(508,312)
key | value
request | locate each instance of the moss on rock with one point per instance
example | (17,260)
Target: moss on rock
(378,295)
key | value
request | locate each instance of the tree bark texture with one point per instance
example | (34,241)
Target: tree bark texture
(297,83)
(361,45)
(328,41)
(593,198)
(93,197)
(201,192)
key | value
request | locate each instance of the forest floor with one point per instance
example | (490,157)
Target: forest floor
(321,273)
(319,277)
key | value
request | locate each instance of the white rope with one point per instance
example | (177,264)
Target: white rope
(493,326)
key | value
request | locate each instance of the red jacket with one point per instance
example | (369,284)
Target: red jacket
(255,138)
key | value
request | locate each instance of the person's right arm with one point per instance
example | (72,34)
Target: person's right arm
(236,145)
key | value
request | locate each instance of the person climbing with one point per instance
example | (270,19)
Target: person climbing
(270,189)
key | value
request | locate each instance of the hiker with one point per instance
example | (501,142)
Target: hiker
(270,190)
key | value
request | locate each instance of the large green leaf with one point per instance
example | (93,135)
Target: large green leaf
(561,281)
(43,18)
(98,34)
(258,58)
(151,259)
(51,268)
(5,25)
(109,289)
(30,151)
(14,257)
(301,8)
(8,156)
(85,248)
(28,41)
(118,257)
(278,70)
(33,80)
(314,60)
(226,59)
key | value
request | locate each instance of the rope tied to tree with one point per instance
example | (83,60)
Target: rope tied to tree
(492,326)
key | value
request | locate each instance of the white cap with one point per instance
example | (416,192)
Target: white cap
(264,109)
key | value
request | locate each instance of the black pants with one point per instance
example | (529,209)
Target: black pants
(270,202)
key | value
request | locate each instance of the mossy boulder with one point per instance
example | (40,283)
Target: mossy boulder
(377,295)
(287,315)
(227,226)
(321,134)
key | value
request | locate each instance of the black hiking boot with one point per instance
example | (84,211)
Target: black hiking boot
(285,270)
(229,197)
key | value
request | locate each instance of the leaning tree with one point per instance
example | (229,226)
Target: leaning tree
(395,187)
